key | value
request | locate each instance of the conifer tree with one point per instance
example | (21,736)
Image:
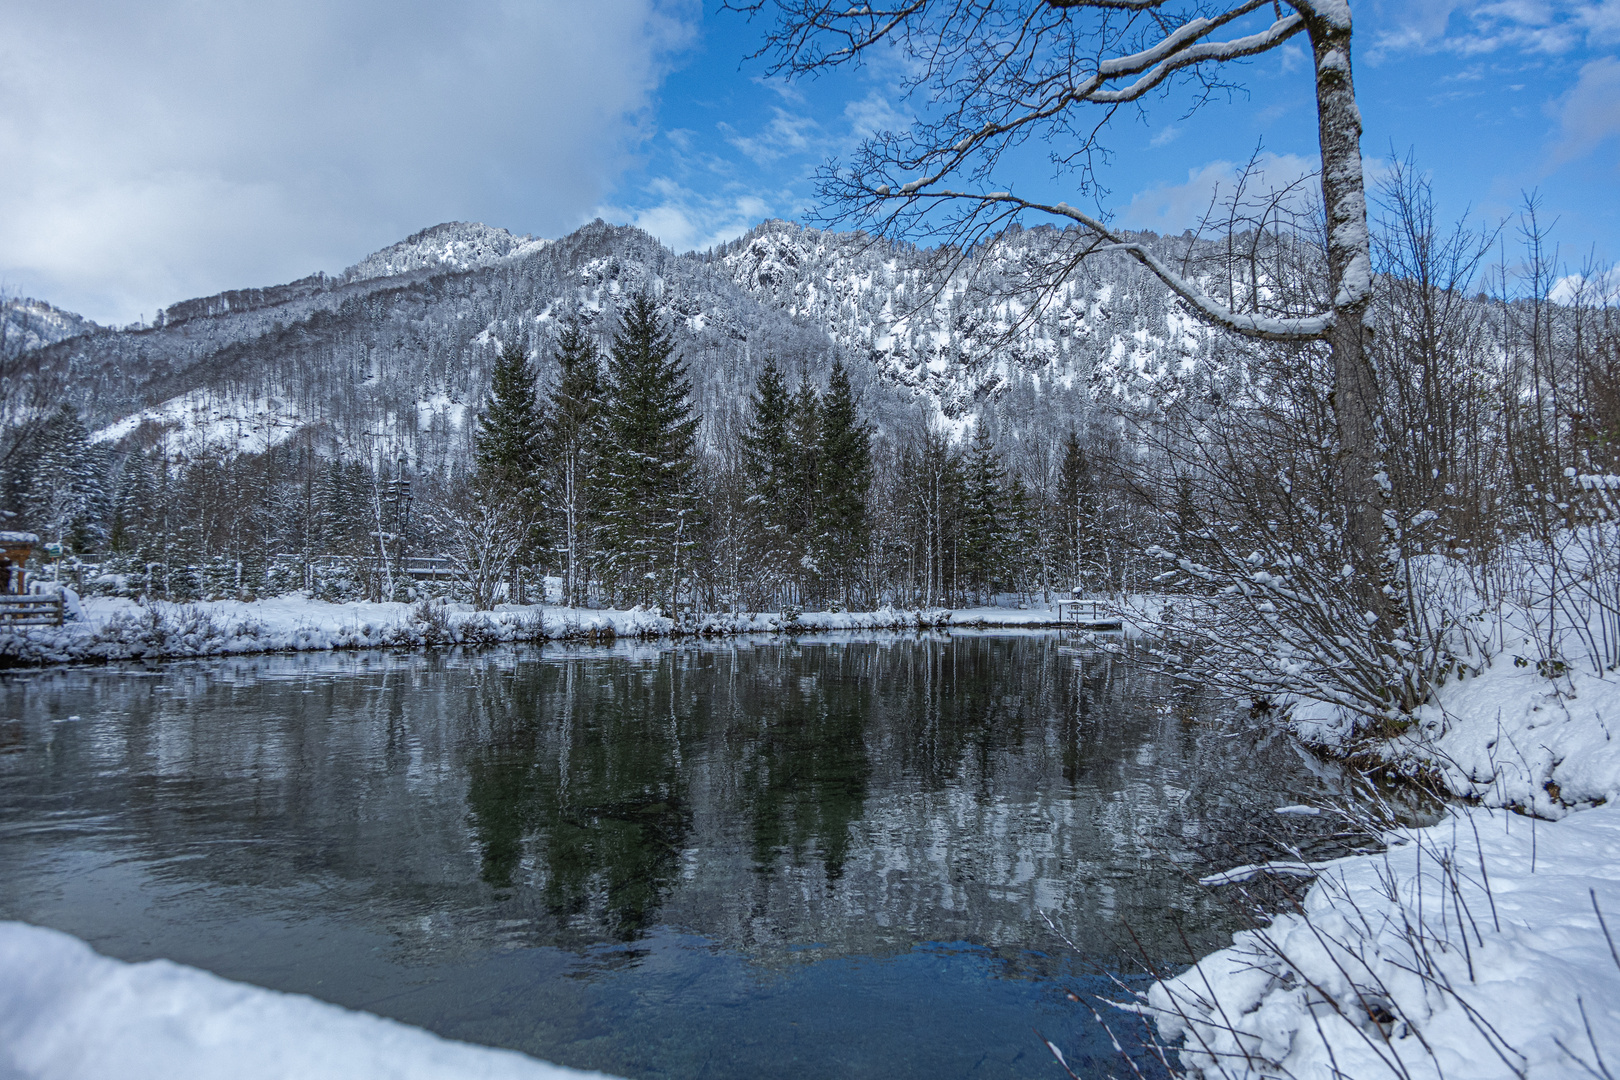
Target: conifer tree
(67,491)
(1020,532)
(649,506)
(768,459)
(343,504)
(769,465)
(510,447)
(135,508)
(984,517)
(845,468)
(1078,511)
(509,459)
(803,489)
(575,450)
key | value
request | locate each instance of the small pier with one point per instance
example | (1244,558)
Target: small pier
(1087,615)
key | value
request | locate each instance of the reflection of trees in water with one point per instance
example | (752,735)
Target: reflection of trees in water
(588,767)
(1003,767)
(862,794)
(797,738)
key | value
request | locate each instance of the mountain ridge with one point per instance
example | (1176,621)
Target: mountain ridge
(397,348)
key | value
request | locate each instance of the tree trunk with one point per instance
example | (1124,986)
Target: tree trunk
(1355,382)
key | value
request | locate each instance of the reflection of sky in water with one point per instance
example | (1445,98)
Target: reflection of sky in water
(734,859)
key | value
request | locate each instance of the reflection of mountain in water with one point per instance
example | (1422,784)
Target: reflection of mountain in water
(858,796)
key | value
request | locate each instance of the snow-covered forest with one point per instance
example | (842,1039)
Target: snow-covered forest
(859,422)
(301,421)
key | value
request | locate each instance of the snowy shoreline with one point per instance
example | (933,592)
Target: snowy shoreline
(110,629)
(1487,945)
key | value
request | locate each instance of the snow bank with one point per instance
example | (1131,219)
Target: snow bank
(67,1013)
(121,629)
(1513,737)
(1473,948)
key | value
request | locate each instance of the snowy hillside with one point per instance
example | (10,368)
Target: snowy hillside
(976,335)
(453,246)
(399,347)
(26,323)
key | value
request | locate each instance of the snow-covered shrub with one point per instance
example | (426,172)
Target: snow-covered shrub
(337,581)
(284,575)
(432,622)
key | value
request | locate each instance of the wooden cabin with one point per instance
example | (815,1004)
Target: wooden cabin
(15,548)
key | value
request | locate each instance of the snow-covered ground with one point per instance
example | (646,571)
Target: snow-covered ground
(119,629)
(1484,946)
(1474,948)
(67,1013)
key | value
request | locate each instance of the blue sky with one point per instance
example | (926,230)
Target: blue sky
(163,149)
(1492,100)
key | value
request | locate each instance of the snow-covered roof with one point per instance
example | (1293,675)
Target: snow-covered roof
(18,537)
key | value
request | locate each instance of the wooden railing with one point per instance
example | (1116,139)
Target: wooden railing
(1092,614)
(421,568)
(47,610)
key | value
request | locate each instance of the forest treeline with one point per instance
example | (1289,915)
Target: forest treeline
(606,478)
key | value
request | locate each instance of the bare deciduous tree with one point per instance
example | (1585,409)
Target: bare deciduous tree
(991,75)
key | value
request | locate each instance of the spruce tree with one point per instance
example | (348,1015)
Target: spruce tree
(575,451)
(1020,532)
(769,466)
(1078,513)
(67,491)
(804,491)
(768,458)
(510,447)
(845,474)
(135,509)
(509,458)
(651,430)
(343,508)
(984,517)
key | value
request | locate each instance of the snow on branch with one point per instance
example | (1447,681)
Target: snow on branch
(1307,328)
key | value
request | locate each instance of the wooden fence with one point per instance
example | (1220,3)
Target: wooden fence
(47,610)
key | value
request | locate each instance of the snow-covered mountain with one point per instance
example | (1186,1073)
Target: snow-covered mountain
(393,355)
(26,323)
(455,245)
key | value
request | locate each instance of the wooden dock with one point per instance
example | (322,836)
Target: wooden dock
(1087,615)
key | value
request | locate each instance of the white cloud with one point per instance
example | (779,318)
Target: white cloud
(1478,27)
(1170,208)
(787,133)
(874,114)
(687,220)
(1590,112)
(169,149)
(1599,287)
(1601,21)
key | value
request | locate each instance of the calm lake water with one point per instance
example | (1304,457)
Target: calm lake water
(758,858)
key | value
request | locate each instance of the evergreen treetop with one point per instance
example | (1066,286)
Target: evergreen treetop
(768,457)
(651,435)
(510,447)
